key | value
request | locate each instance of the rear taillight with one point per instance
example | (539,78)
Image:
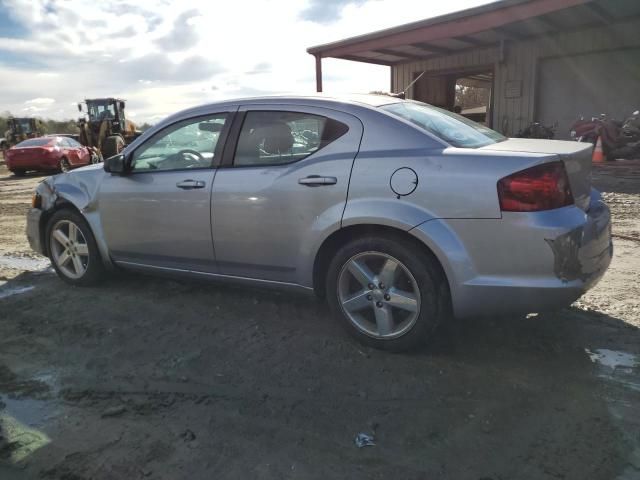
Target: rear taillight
(543,187)
(51,151)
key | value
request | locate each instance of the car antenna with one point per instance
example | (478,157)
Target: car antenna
(403,93)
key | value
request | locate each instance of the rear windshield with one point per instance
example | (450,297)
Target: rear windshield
(454,129)
(35,142)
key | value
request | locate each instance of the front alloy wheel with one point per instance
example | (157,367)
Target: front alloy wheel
(69,249)
(72,248)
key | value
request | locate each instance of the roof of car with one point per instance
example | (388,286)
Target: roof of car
(374,100)
(316,99)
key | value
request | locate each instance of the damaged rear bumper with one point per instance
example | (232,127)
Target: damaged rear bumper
(523,262)
(585,252)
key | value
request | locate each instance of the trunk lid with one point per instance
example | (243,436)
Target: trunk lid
(576,157)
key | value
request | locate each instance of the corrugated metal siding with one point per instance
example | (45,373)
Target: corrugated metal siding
(520,64)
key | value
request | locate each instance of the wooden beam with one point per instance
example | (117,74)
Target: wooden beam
(431,48)
(355,58)
(600,13)
(550,23)
(510,34)
(469,40)
(408,56)
(318,73)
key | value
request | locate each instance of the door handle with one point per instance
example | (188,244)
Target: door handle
(317,181)
(190,184)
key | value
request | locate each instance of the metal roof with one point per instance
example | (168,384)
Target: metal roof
(483,26)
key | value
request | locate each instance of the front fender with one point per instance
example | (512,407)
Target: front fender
(78,188)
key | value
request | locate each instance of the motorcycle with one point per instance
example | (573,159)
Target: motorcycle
(628,142)
(589,131)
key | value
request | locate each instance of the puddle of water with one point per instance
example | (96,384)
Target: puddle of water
(4,293)
(620,367)
(21,439)
(24,263)
(23,420)
(613,359)
(30,412)
(623,369)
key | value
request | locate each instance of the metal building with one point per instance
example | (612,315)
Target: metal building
(528,60)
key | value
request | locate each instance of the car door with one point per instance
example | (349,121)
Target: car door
(284,178)
(158,215)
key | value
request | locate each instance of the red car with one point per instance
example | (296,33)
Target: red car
(58,154)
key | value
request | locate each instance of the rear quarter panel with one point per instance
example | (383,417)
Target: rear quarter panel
(451,182)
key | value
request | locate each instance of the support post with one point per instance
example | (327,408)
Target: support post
(318,73)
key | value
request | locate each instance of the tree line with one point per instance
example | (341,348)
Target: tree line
(53,126)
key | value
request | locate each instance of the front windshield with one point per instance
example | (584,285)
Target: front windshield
(454,129)
(25,125)
(100,111)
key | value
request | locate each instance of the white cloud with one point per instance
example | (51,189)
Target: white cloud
(166,56)
(40,101)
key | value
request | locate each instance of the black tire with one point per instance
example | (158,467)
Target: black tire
(431,283)
(18,173)
(112,145)
(95,270)
(64,166)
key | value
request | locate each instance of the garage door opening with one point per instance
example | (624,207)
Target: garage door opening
(473,97)
(468,93)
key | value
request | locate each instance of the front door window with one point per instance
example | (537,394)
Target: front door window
(189,144)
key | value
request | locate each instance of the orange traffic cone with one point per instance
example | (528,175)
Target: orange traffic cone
(598,154)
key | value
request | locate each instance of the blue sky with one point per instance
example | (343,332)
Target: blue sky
(163,56)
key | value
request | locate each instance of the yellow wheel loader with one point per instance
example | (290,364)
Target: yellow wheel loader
(104,127)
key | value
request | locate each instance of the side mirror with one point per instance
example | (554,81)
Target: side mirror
(79,107)
(121,105)
(115,165)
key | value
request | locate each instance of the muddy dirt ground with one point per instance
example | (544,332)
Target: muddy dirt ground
(162,379)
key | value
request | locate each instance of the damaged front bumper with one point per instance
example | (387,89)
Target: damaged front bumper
(33,230)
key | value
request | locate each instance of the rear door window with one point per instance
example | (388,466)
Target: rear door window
(277,138)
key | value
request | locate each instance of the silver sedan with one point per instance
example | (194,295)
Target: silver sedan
(399,213)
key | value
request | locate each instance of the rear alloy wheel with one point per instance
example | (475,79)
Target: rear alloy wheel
(64,165)
(72,249)
(388,294)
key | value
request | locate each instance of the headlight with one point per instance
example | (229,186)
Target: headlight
(36,201)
